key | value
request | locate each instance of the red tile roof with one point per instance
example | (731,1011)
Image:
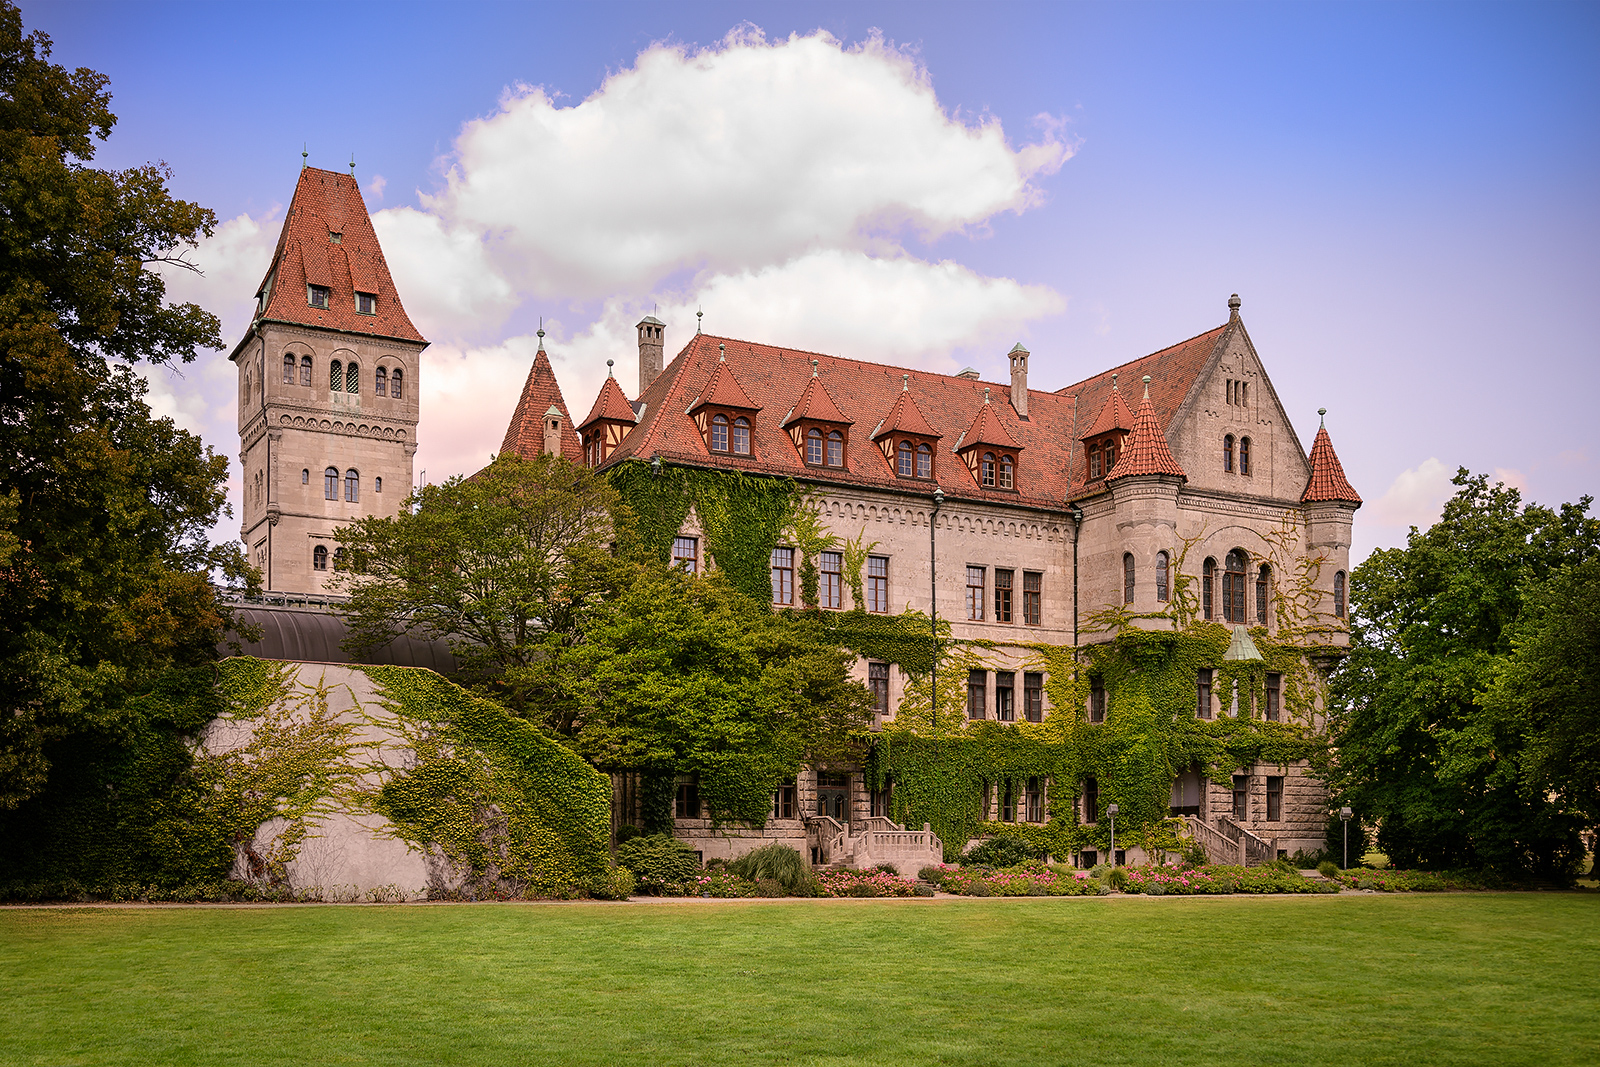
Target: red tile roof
(986,429)
(1145,451)
(1328,482)
(905,416)
(329,202)
(541,392)
(815,403)
(610,404)
(1114,415)
(723,390)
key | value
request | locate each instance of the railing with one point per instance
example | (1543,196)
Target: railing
(880,840)
(1218,848)
(1252,850)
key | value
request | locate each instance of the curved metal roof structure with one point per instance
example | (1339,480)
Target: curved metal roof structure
(304,633)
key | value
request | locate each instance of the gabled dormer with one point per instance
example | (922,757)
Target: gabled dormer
(989,450)
(724,413)
(608,423)
(819,430)
(909,444)
(1104,441)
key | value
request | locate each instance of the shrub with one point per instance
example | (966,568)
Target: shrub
(1117,878)
(1100,870)
(657,860)
(932,874)
(1328,869)
(871,883)
(887,868)
(1156,889)
(1193,854)
(774,862)
(770,887)
(999,851)
(616,884)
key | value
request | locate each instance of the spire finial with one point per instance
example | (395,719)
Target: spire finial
(352,164)
(305,154)
(699,316)
(1322,420)
(1113,383)
(609,364)
(541,333)
(1234,304)
(722,353)
(905,383)
(986,394)
(1147,387)
(813,368)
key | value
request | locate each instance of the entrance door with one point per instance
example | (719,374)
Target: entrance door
(833,796)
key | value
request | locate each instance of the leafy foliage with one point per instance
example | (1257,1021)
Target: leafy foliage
(657,860)
(777,863)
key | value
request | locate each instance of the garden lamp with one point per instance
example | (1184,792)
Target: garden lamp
(1344,814)
(1111,811)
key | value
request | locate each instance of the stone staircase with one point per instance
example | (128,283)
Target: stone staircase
(871,842)
(1228,842)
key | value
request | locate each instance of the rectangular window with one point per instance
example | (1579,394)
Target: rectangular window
(878,682)
(1274,698)
(975,585)
(317,296)
(1033,697)
(977,694)
(883,801)
(1097,700)
(366,304)
(878,583)
(831,591)
(783,576)
(1002,595)
(686,554)
(1033,802)
(1274,798)
(1203,694)
(1032,598)
(1005,708)
(784,800)
(687,804)
(1241,797)
(1088,859)
(1008,803)
(1091,800)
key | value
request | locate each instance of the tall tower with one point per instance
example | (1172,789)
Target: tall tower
(329,382)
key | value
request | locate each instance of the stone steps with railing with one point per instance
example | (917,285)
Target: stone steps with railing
(876,840)
(1229,842)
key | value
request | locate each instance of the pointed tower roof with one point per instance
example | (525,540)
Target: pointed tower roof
(723,390)
(1114,415)
(815,403)
(327,240)
(1241,648)
(987,429)
(540,393)
(610,405)
(1328,482)
(1145,451)
(905,416)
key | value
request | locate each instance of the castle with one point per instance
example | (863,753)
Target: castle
(1169,489)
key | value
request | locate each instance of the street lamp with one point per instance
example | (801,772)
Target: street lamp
(1111,810)
(1344,814)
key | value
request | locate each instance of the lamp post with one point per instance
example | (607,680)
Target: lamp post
(1344,815)
(933,610)
(1111,810)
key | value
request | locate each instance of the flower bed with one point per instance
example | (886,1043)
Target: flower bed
(1035,879)
(1027,880)
(864,884)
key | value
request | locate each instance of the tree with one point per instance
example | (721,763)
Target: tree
(105,567)
(1419,751)
(501,564)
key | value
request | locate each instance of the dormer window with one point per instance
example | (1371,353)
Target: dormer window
(835,448)
(905,460)
(814,447)
(1007,470)
(317,296)
(335,237)
(924,461)
(366,304)
(913,459)
(741,436)
(719,433)
(986,470)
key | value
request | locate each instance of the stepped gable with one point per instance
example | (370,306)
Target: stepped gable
(986,429)
(541,392)
(1328,483)
(1145,451)
(905,416)
(329,202)
(940,406)
(1114,416)
(816,404)
(610,405)
(1173,373)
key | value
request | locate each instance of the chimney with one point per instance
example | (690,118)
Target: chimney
(1019,379)
(649,351)
(552,431)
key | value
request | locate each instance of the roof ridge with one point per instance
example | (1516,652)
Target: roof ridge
(1149,355)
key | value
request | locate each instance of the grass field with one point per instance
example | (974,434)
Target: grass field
(1463,979)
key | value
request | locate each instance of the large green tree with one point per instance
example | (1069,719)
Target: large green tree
(1420,748)
(106,571)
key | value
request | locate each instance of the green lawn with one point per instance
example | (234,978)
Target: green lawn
(1469,979)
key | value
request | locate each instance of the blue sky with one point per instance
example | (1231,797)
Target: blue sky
(1403,195)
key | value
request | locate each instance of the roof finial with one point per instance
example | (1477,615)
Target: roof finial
(1233,305)
(1322,420)
(1113,383)
(722,353)
(699,315)
(813,368)
(352,164)
(609,364)
(986,394)
(541,333)
(905,383)
(305,154)
(1147,387)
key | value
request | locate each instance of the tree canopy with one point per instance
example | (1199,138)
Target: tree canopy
(105,565)
(1449,711)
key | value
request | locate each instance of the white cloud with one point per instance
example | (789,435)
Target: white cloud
(1416,497)
(444,277)
(376,185)
(729,158)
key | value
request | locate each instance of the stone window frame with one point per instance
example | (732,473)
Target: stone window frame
(977,589)
(878,585)
(830,580)
(1005,580)
(1033,598)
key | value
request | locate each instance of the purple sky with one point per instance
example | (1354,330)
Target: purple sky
(1403,195)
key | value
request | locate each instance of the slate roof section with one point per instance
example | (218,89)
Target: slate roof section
(329,202)
(541,392)
(816,404)
(1145,451)
(1328,483)
(610,404)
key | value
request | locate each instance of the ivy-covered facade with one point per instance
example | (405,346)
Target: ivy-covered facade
(1124,592)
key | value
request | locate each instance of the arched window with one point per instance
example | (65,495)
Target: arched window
(1161,576)
(1094,462)
(904,464)
(377,485)
(986,470)
(338,558)
(1110,454)
(352,487)
(1208,581)
(1227,453)
(330,483)
(1338,593)
(352,378)
(395,380)
(1233,587)
(336,376)
(305,476)
(835,448)
(288,369)
(741,436)
(1244,455)
(814,447)
(924,462)
(305,370)
(380,382)
(719,433)
(1263,581)
(1007,467)
(319,558)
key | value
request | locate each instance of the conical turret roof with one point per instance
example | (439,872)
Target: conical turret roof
(1145,451)
(540,393)
(1328,483)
